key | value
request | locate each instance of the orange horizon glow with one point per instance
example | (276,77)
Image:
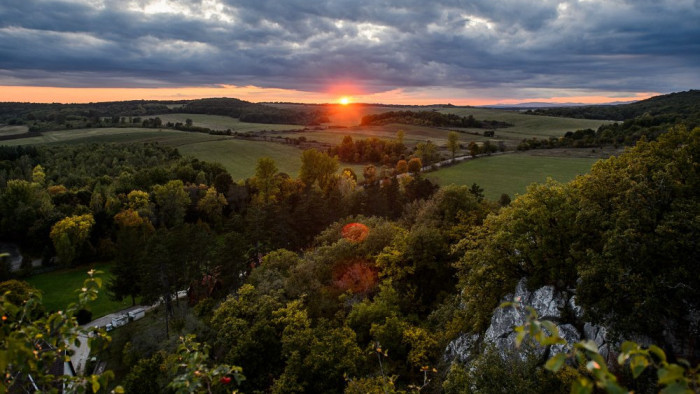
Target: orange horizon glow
(251,93)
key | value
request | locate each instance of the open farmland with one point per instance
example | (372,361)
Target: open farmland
(524,126)
(511,173)
(239,157)
(218,122)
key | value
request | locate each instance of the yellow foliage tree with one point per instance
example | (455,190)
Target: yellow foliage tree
(69,235)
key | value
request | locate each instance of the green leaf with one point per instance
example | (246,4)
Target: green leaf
(555,363)
(582,386)
(670,373)
(676,388)
(656,351)
(95,383)
(638,365)
(628,346)
(589,345)
(614,388)
(551,327)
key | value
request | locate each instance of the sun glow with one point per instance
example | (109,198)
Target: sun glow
(344,100)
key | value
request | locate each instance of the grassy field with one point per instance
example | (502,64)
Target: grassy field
(57,287)
(524,126)
(527,126)
(216,122)
(115,135)
(12,130)
(511,173)
(239,157)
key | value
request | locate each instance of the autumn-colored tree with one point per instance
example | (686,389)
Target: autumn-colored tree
(473,148)
(139,201)
(38,175)
(401,167)
(69,236)
(370,174)
(415,165)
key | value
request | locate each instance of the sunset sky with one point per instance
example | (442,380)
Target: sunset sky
(391,51)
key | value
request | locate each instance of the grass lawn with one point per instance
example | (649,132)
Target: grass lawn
(59,289)
(511,173)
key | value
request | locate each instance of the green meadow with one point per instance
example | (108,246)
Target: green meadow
(217,122)
(58,288)
(511,173)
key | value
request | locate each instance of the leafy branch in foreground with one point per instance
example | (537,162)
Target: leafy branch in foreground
(197,377)
(31,342)
(671,377)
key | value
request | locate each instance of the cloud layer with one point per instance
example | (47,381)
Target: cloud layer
(370,45)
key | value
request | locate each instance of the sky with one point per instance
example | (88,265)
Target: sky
(390,51)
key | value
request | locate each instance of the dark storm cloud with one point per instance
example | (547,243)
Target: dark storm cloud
(309,45)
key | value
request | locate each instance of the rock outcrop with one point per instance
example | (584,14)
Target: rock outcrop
(549,304)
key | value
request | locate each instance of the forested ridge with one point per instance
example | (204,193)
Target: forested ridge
(324,286)
(54,116)
(646,119)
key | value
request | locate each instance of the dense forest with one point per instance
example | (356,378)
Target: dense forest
(429,118)
(314,284)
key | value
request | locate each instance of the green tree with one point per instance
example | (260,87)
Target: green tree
(453,143)
(400,134)
(427,152)
(69,236)
(172,203)
(133,232)
(266,180)
(22,204)
(211,206)
(317,167)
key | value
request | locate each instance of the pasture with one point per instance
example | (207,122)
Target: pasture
(524,126)
(58,289)
(217,122)
(511,173)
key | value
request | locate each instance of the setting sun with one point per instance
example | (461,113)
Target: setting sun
(344,100)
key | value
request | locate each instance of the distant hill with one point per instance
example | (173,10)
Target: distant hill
(539,104)
(674,107)
(643,119)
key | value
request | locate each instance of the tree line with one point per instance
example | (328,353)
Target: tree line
(429,118)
